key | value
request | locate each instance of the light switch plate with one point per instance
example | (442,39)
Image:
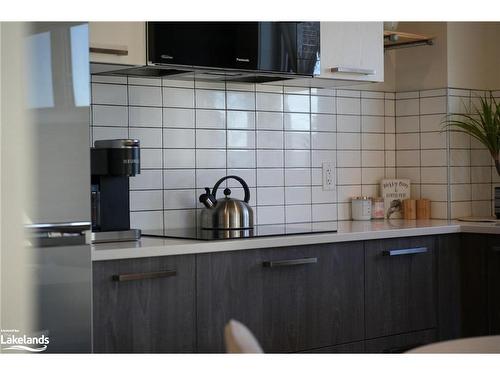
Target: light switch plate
(329,175)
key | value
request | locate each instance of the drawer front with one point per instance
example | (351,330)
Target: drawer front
(400,343)
(292,299)
(144,305)
(400,285)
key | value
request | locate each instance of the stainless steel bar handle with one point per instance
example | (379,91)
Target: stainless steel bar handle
(144,275)
(414,250)
(344,69)
(109,51)
(289,262)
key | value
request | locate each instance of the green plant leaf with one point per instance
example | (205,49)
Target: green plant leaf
(481,122)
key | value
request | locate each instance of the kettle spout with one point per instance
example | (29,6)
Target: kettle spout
(208,199)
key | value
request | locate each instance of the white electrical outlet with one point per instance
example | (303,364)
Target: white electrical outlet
(329,181)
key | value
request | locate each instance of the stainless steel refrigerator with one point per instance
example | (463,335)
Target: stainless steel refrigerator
(58,99)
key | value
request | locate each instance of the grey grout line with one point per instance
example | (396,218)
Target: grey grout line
(196,223)
(163,167)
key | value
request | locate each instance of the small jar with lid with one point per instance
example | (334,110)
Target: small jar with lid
(378,209)
(361,208)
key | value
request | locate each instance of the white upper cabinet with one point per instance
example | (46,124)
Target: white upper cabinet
(352,51)
(118,42)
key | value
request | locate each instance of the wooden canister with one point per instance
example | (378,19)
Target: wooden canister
(409,209)
(423,209)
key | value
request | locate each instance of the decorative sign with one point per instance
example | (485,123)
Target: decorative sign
(394,191)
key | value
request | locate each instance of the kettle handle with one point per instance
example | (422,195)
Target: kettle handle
(237,178)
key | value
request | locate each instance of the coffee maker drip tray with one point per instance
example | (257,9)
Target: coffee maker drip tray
(257,231)
(114,236)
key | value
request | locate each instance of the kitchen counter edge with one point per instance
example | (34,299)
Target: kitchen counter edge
(347,231)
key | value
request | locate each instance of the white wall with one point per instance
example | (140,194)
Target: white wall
(16,287)
(423,67)
(474,55)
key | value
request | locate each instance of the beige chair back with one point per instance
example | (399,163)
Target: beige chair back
(239,339)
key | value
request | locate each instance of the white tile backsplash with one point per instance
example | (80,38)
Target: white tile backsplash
(178,118)
(372,107)
(347,123)
(210,138)
(141,200)
(99,133)
(178,138)
(178,158)
(210,158)
(174,199)
(106,115)
(109,94)
(210,99)
(297,121)
(179,178)
(177,97)
(271,196)
(210,119)
(145,116)
(269,102)
(322,104)
(240,139)
(240,120)
(296,103)
(144,96)
(297,140)
(277,138)
(241,159)
(150,138)
(348,106)
(270,158)
(269,120)
(147,179)
(323,123)
(240,100)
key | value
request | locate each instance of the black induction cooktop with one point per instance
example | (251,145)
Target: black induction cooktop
(257,231)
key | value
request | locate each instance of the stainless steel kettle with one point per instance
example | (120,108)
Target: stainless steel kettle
(226,213)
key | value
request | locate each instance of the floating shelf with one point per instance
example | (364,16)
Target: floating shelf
(398,39)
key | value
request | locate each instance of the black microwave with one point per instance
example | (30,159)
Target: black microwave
(277,48)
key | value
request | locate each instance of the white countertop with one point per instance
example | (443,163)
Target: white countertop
(347,231)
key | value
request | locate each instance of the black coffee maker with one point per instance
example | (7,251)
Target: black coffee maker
(113,161)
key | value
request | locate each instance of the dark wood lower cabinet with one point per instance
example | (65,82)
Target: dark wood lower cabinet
(378,296)
(400,343)
(292,299)
(449,287)
(493,279)
(469,285)
(400,285)
(144,305)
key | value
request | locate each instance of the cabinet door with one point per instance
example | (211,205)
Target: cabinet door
(449,289)
(400,343)
(292,299)
(118,42)
(355,49)
(473,285)
(493,262)
(144,305)
(400,288)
